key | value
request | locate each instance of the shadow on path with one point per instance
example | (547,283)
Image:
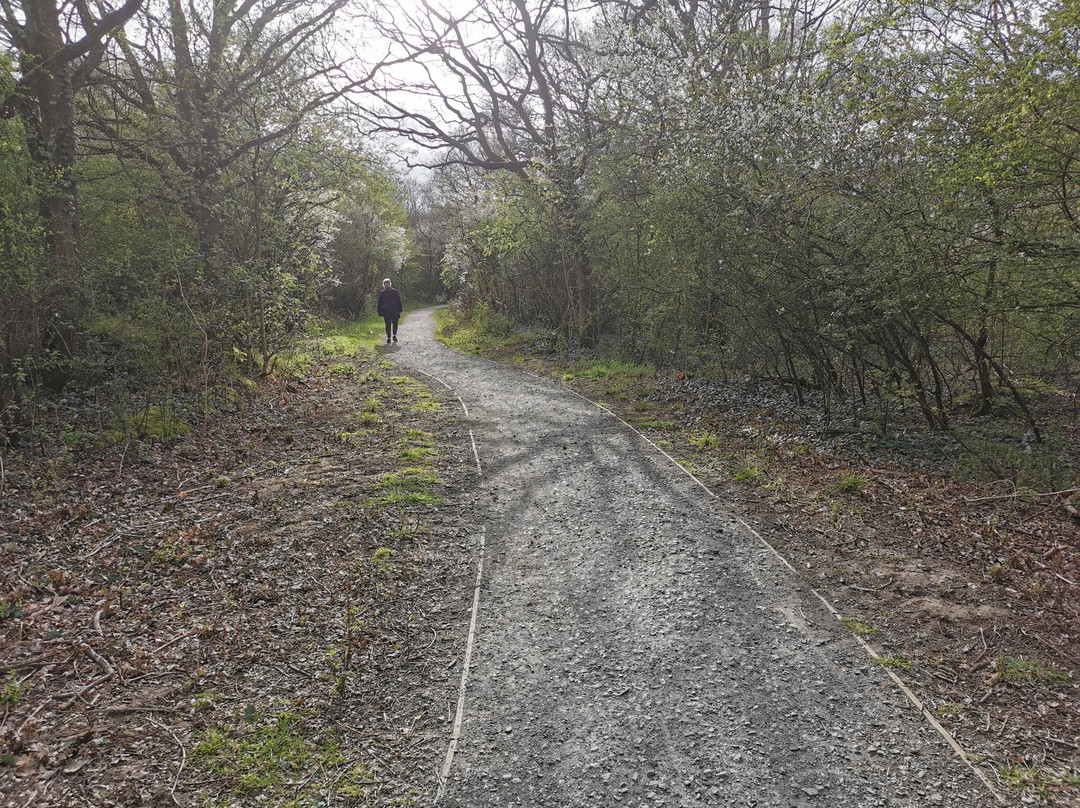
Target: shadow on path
(638,646)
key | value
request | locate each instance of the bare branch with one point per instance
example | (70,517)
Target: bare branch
(492,78)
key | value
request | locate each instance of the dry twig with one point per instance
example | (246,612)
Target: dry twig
(183,758)
(99,659)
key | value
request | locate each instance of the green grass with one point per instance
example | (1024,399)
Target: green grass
(857,626)
(1027,778)
(341,369)
(273,760)
(406,487)
(416,454)
(657,424)
(152,423)
(1040,782)
(420,396)
(949,710)
(749,473)
(413,478)
(204,700)
(347,339)
(13,690)
(896,662)
(352,337)
(1022,671)
(426,402)
(417,446)
(620,375)
(484,332)
(381,559)
(417,436)
(853,483)
(705,440)
(476,334)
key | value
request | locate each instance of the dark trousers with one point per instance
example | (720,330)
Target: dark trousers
(391,324)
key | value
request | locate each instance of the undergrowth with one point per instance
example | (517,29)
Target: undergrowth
(986,449)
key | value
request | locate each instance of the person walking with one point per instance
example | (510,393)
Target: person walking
(389,309)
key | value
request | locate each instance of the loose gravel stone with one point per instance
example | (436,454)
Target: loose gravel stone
(636,645)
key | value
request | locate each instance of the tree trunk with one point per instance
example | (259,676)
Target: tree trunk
(985,400)
(49,79)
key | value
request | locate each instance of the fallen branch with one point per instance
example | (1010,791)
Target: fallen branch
(1026,493)
(98,658)
(174,640)
(153,708)
(103,545)
(1062,742)
(82,690)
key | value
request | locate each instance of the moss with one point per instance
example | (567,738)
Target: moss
(161,423)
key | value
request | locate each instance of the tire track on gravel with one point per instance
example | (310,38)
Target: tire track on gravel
(637,646)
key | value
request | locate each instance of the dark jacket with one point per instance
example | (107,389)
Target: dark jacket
(389,303)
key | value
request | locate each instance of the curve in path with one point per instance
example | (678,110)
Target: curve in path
(635,645)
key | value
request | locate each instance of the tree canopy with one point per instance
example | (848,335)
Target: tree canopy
(874,201)
(871,200)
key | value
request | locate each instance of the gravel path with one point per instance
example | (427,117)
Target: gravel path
(635,645)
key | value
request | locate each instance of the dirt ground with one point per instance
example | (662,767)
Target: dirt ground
(258,614)
(267,612)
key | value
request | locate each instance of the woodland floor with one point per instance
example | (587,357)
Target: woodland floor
(266,612)
(272,609)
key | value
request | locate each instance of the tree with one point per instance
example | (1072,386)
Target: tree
(371,239)
(23,281)
(430,221)
(59,46)
(208,83)
(508,90)
(879,196)
(233,106)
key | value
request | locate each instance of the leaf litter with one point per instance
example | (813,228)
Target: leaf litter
(240,618)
